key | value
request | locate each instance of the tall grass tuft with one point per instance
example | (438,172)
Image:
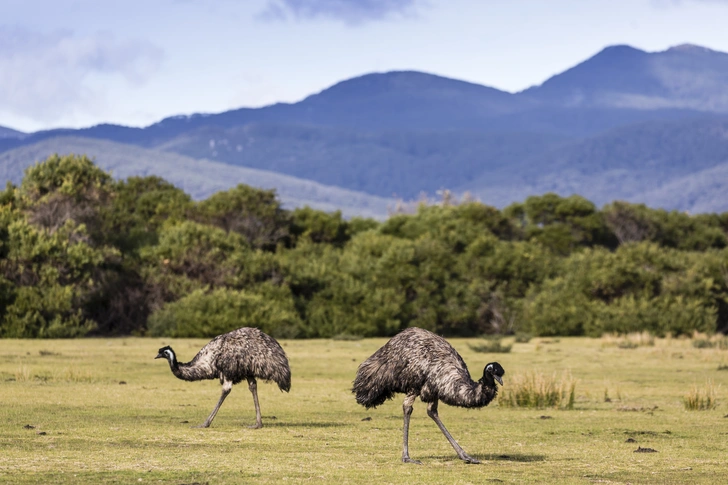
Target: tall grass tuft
(67,374)
(491,347)
(71,374)
(703,341)
(700,399)
(22,374)
(533,390)
(629,341)
(347,337)
(523,338)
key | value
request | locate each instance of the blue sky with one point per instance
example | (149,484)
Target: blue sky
(74,63)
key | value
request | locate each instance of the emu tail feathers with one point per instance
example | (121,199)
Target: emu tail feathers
(284,380)
(369,388)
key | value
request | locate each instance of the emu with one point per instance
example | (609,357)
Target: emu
(243,354)
(419,363)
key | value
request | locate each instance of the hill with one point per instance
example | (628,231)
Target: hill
(385,163)
(623,124)
(10,133)
(662,164)
(199,178)
(685,76)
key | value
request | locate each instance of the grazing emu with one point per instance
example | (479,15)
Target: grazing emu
(419,363)
(243,354)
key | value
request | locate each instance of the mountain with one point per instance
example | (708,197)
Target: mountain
(385,163)
(623,124)
(10,133)
(647,162)
(703,191)
(683,77)
(199,178)
(393,101)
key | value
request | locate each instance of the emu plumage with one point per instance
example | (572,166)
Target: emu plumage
(419,363)
(243,354)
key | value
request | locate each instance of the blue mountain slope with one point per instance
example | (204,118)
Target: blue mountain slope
(199,178)
(642,163)
(9,133)
(684,77)
(622,122)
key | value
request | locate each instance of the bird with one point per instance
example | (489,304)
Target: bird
(243,354)
(421,364)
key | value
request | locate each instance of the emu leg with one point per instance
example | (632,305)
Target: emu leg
(407,408)
(226,388)
(253,386)
(432,412)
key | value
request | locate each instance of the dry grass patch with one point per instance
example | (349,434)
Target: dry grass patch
(24,373)
(495,346)
(629,341)
(701,399)
(703,341)
(536,390)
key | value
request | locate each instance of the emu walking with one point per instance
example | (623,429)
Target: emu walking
(417,362)
(243,354)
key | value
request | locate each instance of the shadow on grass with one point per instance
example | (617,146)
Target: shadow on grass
(514,457)
(288,424)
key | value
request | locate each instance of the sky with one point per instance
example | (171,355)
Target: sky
(77,63)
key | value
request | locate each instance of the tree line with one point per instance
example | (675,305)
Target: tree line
(82,254)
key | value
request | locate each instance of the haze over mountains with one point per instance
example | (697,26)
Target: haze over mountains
(625,124)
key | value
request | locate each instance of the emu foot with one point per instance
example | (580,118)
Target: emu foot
(469,459)
(256,426)
(407,459)
(203,425)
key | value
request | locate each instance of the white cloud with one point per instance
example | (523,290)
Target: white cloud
(44,77)
(671,3)
(352,12)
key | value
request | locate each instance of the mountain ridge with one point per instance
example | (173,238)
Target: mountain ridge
(623,76)
(622,123)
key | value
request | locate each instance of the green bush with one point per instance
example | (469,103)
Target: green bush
(80,253)
(207,314)
(659,316)
(555,309)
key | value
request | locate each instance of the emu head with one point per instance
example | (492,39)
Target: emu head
(494,371)
(166,353)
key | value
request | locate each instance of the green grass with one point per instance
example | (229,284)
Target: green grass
(98,430)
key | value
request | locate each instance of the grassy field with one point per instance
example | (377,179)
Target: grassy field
(104,411)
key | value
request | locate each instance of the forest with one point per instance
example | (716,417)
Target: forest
(83,254)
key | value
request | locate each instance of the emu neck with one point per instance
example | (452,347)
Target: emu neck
(488,389)
(469,394)
(191,371)
(174,366)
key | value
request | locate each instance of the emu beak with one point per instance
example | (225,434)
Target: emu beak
(498,378)
(160,356)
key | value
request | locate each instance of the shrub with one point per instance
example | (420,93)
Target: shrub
(661,316)
(207,314)
(555,310)
(255,214)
